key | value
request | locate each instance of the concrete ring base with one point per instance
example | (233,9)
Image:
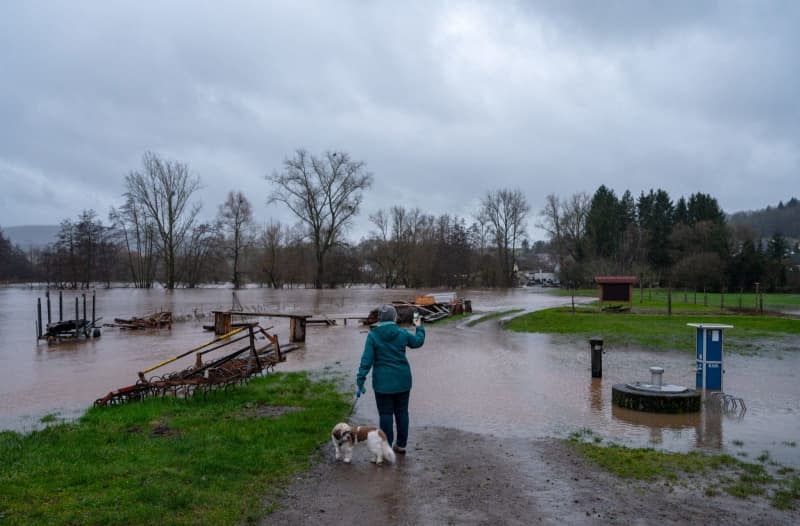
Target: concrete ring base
(653,402)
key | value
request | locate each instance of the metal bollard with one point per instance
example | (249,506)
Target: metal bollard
(596,345)
(655,376)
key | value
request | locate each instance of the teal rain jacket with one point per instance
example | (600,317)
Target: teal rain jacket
(385,354)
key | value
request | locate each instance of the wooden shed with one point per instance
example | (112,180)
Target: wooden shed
(616,289)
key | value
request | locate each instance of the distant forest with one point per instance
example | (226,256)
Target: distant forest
(156,237)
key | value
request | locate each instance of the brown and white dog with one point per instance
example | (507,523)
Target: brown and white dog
(345,437)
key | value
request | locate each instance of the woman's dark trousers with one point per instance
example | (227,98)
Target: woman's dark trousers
(394,406)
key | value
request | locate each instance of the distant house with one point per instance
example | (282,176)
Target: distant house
(544,279)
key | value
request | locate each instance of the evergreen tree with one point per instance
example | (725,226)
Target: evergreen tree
(604,224)
(681,216)
(776,262)
(655,212)
(703,207)
(627,212)
(747,265)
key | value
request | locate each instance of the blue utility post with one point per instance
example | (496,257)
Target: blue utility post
(708,348)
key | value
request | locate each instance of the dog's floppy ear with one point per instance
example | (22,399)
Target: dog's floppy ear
(341,432)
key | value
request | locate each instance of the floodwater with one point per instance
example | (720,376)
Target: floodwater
(480,379)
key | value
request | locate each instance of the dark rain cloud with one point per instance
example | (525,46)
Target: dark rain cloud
(444,100)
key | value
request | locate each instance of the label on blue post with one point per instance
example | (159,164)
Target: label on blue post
(714,346)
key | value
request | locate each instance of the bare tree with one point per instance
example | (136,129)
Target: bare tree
(394,243)
(236,219)
(565,222)
(200,259)
(325,194)
(164,189)
(89,234)
(380,249)
(506,211)
(66,248)
(480,231)
(272,240)
(139,236)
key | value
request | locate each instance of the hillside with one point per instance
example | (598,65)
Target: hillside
(783,219)
(30,236)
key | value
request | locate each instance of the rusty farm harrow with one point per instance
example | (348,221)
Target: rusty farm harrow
(253,356)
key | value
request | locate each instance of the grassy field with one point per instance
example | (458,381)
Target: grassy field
(169,461)
(492,316)
(655,300)
(648,325)
(720,472)
(657,331)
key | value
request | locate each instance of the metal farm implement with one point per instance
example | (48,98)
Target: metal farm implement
(236,367)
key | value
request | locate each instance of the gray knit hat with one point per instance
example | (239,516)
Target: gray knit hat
(387,313)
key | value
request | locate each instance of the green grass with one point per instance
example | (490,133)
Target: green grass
(449,319)
(49,418)
(722,472)
(689,301)
(169,461)
(787,496)
(645,464)
(492,316)
(656,331)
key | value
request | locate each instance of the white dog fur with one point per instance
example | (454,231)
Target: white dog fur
(345,437)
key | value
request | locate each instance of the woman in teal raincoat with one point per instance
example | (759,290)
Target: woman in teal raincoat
(385,354)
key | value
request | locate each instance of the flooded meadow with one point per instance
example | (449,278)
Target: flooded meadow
(479,379)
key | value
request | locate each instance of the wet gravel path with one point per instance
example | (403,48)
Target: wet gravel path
(455,477)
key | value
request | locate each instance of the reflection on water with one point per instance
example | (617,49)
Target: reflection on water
(481,378)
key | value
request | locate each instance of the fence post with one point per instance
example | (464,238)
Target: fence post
(669,301)
(38,318)
(47,295)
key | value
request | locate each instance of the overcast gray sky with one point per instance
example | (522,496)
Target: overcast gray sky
(442,100)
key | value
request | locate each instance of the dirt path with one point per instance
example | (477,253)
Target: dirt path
(454,477)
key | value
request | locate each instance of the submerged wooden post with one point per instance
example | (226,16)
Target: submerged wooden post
(47,295)
(76,317)
(253,349)
(60,305)
(297,329)
(38,318)
(93,307)
(222,322)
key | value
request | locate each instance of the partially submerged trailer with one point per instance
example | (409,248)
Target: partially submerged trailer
(258,353)
(431,308)
(70,329)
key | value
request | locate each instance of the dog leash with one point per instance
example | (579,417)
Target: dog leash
(353,405)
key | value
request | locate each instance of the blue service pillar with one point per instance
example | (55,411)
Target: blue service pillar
(708,348)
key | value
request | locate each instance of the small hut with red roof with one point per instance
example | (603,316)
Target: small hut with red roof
(616,289)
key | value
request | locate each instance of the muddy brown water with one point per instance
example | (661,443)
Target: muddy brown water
(478,379)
